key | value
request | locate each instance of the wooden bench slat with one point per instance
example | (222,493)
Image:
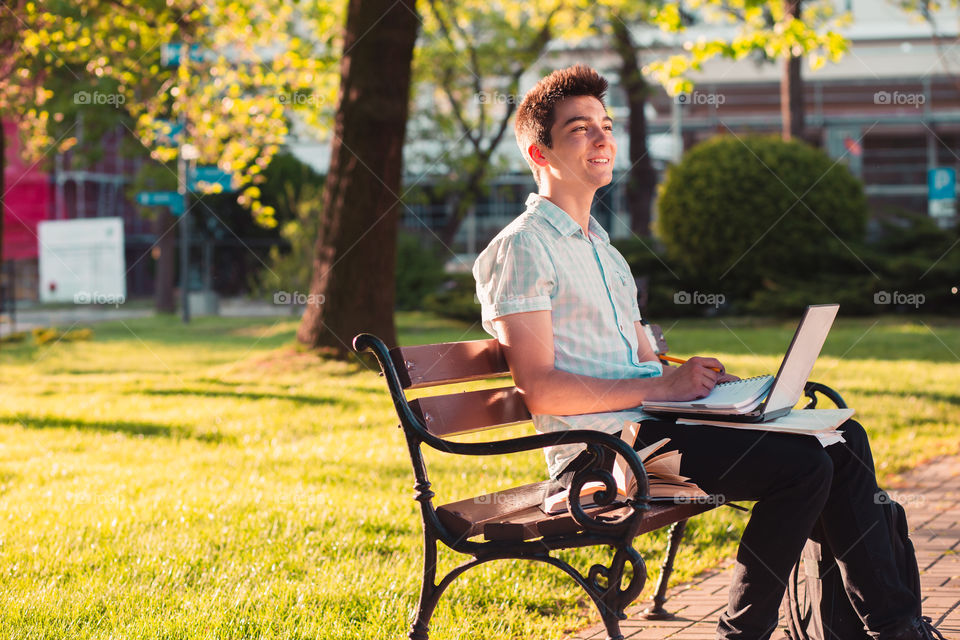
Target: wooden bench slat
(515,514)
(448,363)
(659,515)
(657,340)
(534,523)
(466,517)
(471,411)
(519,526)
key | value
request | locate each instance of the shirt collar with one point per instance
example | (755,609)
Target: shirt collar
(561,220)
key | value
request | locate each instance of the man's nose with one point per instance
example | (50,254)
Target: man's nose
(604,139)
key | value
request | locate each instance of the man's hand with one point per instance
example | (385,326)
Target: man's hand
(692,380)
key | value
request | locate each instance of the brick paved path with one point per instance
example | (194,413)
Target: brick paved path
(931,496)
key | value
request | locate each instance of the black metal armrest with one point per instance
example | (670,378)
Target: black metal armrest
(811,389)
(595,440)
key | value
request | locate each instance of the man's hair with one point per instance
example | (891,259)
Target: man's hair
(536,114)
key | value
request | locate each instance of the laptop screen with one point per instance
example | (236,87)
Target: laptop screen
(801,356)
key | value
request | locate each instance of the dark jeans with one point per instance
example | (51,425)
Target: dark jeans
(795,482)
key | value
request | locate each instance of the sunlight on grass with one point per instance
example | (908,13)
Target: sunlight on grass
(215,481)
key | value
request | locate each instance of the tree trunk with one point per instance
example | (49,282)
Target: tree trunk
(165,254)
(791,86)
(642,178)
(352,287)
(3,191)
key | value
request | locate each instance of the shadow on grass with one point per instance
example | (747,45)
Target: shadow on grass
(932,396)
(86,372)
(145,429)
(246,395)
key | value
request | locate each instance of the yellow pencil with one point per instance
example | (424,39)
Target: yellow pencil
(681,361)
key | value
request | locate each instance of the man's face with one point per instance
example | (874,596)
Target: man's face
(583,146)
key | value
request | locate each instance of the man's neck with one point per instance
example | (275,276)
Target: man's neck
(575,205)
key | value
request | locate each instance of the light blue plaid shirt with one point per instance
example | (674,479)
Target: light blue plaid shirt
(542,261)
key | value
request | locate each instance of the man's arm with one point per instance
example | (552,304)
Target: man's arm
(527,340)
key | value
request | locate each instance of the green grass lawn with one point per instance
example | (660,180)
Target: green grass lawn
(211,481)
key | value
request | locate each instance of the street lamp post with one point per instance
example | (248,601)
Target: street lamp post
(184,229)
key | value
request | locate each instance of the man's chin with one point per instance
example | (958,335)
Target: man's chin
(604,180)
(595,181)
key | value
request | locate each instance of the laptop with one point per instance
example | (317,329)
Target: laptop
(767,397)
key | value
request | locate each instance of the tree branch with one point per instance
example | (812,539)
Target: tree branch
(457,112)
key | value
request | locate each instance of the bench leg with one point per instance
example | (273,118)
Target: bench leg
(612,624)
(657,612)
(429,591)
(613,599)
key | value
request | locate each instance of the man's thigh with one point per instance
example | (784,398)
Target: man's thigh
(740,464)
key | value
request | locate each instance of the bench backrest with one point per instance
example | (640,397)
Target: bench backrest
(432,365)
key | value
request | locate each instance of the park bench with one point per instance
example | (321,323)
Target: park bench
(511,523)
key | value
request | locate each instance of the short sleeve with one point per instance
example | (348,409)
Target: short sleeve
(514,274)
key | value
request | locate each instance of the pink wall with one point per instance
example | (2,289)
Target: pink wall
(28,199)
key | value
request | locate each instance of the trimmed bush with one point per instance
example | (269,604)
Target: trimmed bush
(456,298)
(908,265)
(737,214)
(419,271)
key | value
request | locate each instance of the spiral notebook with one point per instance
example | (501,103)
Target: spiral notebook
(739,396)
(765,397)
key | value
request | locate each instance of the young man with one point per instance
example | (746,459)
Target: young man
(562,302)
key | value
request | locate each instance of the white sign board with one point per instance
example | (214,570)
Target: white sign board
(81,261)
(943,208)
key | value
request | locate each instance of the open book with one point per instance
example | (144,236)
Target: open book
(663,473)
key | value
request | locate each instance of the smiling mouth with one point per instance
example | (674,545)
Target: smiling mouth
(600,161)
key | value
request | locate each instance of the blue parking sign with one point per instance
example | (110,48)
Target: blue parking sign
(942,184)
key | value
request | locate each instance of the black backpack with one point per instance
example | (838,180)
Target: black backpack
(818,607)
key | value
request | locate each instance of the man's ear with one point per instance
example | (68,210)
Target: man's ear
(536,155)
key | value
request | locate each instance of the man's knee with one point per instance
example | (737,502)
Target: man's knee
(854,434)
(855,450)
